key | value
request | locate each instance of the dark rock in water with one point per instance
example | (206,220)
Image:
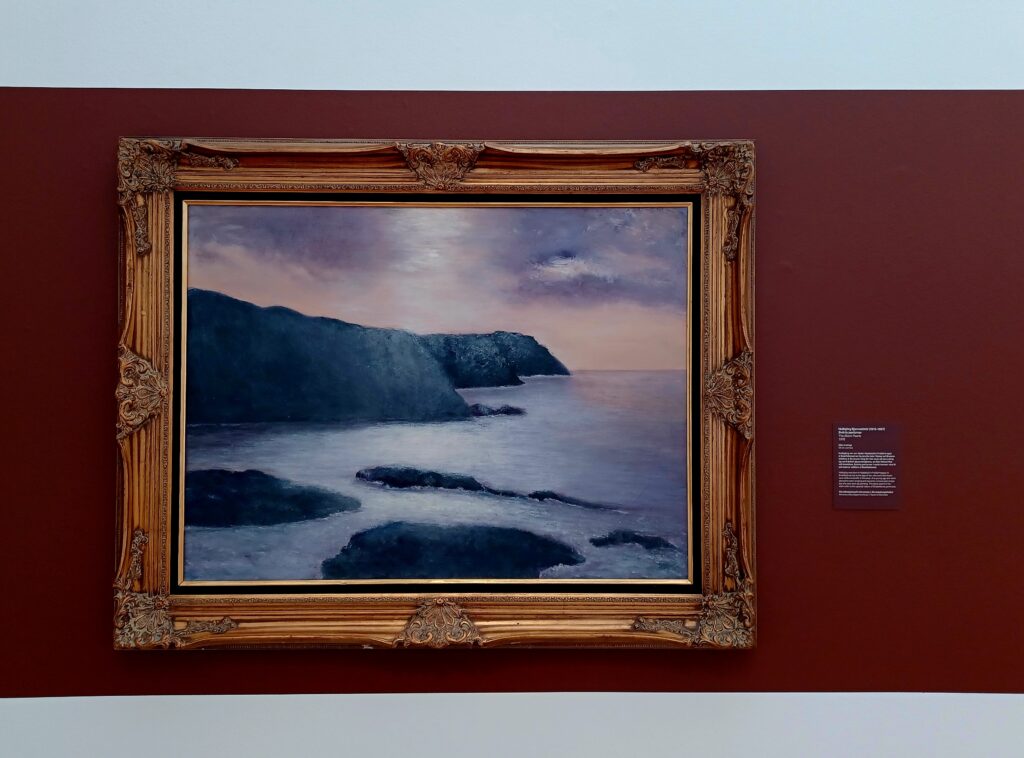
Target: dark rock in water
(216,497)
(401,550)
(479,409)
(625,536)
(403,477)
(406,476)
(247,363)
(498,359)
(543,495)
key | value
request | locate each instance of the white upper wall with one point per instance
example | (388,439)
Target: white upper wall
(514,44)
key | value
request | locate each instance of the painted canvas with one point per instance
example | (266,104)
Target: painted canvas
(395,392)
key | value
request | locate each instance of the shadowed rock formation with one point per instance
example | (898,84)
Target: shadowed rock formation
(401,550)
(252,364)
(216,497)
(627,537)
(404,477)
(247,363)
(479,409)
(498,359)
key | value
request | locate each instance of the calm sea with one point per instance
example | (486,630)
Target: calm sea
(605,436)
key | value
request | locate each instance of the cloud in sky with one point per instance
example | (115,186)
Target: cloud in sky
(576,276)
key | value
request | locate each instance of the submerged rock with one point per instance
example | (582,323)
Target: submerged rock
(625,537)
(401,550)
(217,497)
(543,495)
(479,409)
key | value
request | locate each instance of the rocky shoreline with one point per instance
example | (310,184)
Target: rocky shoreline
(283,366)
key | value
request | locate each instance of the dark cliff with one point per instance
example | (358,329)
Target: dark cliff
(527,356)
(498,359)
(247,363)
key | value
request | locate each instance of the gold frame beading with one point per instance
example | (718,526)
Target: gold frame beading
(149,615)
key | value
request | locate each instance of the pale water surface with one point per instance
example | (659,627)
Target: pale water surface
(614,437)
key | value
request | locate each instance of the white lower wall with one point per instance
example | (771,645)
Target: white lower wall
(520,725)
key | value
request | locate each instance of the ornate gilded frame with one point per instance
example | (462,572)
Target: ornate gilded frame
(148,615)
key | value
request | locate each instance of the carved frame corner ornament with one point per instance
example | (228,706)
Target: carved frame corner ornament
(141,392)
(143,619)
(145,166)
(439,622)
(729,392)
(726,619)
(728,169)
(440,165)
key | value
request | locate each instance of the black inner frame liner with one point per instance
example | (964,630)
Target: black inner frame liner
(694,228)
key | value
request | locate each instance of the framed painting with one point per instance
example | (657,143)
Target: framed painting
(390,394)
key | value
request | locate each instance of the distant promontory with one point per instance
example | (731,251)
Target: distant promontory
(498,359)
(247,363)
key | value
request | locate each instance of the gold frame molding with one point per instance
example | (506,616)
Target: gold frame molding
(149,615)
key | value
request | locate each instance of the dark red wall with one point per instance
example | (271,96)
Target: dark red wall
(890,284)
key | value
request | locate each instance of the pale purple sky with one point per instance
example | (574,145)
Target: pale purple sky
(601,287)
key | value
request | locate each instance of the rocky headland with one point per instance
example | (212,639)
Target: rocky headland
(499,359)
(247,363)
